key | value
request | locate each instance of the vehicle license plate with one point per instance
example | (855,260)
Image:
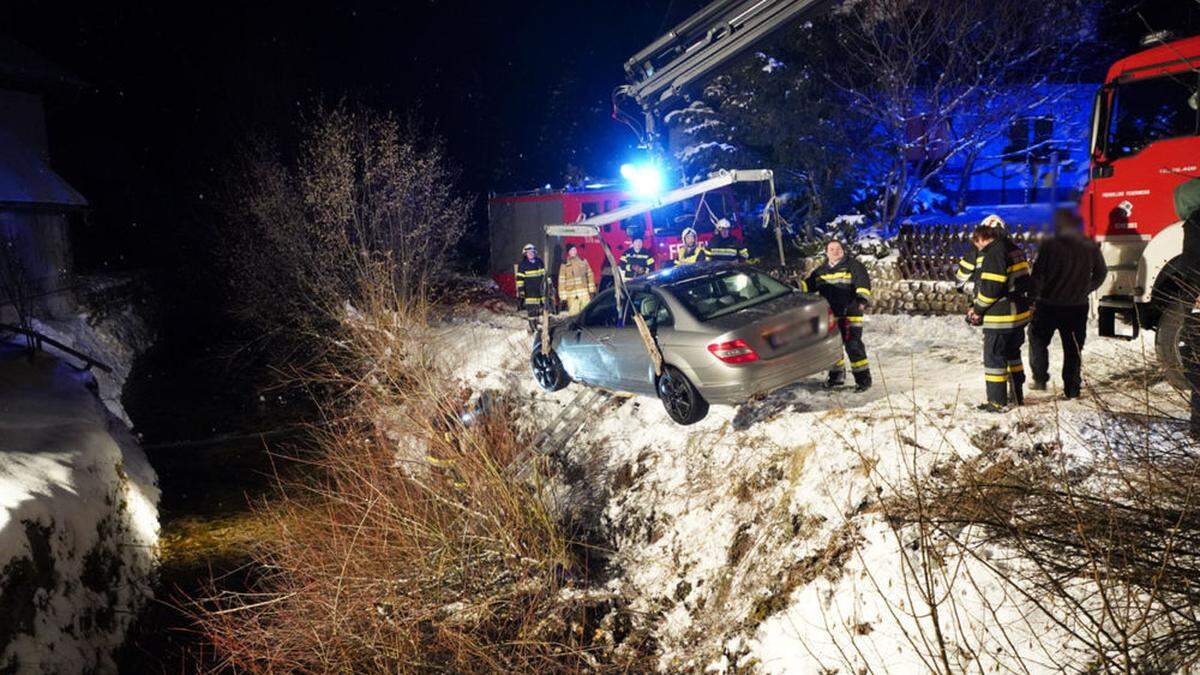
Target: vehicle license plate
(784,335)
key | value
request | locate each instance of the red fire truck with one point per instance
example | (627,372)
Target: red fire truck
(519,218)
(1145,180)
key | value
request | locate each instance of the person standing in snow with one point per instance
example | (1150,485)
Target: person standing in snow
(690,251)
(531,282)
(1069,266)
(725,246)
(1002,307)
(636,261)
(844,283)
(576,283)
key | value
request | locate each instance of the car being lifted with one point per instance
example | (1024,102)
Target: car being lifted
(726,332)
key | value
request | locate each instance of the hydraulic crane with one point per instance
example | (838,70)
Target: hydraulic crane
(661,74)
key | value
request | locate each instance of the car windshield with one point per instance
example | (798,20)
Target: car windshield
(1153,109)
(726,292)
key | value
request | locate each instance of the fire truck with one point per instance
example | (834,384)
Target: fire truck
(1145,181)
(519,218)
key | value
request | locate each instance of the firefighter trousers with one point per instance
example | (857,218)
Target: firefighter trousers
(576,301)
(1002,363)
(851,328)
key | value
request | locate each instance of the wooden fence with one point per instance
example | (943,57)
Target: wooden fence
(932,252)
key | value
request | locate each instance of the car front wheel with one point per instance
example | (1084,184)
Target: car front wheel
(548,370)
(683,402)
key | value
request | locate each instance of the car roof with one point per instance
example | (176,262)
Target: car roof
(673,275)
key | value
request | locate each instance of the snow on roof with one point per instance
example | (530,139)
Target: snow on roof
(26,178)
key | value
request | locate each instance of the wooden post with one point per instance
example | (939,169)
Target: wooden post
(643,329)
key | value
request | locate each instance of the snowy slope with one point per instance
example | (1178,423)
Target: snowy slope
(78,521)
(753,540)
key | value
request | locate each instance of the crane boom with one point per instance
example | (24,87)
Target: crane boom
(710,38)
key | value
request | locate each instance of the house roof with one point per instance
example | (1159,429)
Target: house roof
(26,179)
(24,69)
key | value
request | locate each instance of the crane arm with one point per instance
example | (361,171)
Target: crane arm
(710,38)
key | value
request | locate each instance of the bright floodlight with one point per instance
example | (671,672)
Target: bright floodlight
(645,182)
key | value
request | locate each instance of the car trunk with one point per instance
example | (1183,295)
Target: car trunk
(778,327)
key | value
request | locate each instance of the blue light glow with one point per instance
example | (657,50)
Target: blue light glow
(645,181)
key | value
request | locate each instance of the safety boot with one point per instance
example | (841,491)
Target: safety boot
(836,379)
(862,381)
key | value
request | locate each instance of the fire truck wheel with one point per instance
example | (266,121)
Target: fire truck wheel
(1166,343)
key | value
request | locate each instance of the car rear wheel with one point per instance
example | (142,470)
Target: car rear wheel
(548,370)
(683,403)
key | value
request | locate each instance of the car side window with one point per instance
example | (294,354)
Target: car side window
(602,313)
(652,309)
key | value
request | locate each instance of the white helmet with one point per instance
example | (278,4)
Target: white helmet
(686,232)
(997,223)
(528,247)
(723,224)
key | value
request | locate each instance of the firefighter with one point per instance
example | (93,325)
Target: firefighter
(971,259)
(1001,306)
(531,282)
(845,284)
(636,261)
(724,246)
(576,283)
(1068,268)
(690,251)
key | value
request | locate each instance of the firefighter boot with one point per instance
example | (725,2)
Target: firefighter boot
(862,381)
(1016,392)
(836,379)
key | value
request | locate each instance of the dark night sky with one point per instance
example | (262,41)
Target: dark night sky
(173,86)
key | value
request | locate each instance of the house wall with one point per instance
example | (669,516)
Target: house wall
(41,243)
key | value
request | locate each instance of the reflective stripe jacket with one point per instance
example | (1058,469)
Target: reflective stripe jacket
(575,277)
(1002,286)
(631,258)
(725,248)
(531,280)
(684,255)
(846,286)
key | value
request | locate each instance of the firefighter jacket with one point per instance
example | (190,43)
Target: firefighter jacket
(1003,286)
(531,280)
(575,277)
(685,255)
(846,286)
(725,248)
(631,259)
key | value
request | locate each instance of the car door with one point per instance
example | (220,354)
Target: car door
(582,344)
(626,348)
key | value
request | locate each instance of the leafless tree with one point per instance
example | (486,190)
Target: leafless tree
(940,80)
(16,284)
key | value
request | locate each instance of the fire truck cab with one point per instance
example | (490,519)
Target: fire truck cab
(519,218)
(1145,181)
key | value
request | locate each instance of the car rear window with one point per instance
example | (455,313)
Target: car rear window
(726,292)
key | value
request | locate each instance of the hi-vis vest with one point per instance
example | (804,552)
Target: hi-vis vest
(531,280)
(683,256)
(846,286)
(632,258)
(1002,286)
(725,248)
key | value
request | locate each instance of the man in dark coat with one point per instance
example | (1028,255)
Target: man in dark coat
(846,286)
(1069,267)
(1002,308)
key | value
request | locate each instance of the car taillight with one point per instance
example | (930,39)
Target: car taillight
(736,351)
(833,322)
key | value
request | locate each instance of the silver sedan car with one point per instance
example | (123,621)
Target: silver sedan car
(727,332)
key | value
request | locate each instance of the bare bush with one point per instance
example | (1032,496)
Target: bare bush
(364,196)
(16,284)
(1103,545)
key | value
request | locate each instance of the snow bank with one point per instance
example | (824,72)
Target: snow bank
(754,539)
(78,521)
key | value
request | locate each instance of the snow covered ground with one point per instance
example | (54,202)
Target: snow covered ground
(753,540)
(78,521)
